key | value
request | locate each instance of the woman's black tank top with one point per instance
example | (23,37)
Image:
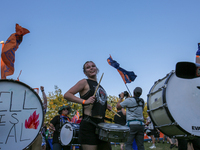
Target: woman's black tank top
(100,104)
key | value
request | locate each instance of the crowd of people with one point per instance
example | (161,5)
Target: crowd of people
(93,98)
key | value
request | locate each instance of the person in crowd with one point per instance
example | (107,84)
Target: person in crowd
(39,143)
(157,136)
(120,120)
(94,101)
(134,116)
(152,134)
(43,133)
(185,144)
(56,124)
(165,138)
(79,120)
(50,140)
(173,142)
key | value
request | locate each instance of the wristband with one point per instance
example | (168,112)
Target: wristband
(83,102)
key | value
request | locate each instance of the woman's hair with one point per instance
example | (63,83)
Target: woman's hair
(89,62)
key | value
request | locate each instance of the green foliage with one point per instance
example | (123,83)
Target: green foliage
(145,114)
(55,100)
(112,101)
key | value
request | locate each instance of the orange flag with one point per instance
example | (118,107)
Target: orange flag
(8,51)
(5,71)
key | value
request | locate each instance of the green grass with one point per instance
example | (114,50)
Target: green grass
(159,146)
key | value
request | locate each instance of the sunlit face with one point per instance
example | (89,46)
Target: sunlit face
(90,69)
(65,111)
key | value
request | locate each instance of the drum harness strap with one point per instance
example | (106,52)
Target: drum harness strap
(63,120)
(137,100)
(87,118)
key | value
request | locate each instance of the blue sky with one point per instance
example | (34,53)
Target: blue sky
(145,36)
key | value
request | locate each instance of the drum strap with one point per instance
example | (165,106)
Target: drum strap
(87,118)
(141,123)
(138,105)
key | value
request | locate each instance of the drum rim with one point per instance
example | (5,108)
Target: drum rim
(167,78)
(166,108)
(126,129)
(22,83)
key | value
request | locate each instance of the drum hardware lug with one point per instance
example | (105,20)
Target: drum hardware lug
(160,89)
(179,136)
(115,136)
(174,123)
(164,86)
(164,105)
(170,124)
(164,125)
(190,137)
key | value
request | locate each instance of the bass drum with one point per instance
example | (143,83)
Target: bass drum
(21,115)
(173,105)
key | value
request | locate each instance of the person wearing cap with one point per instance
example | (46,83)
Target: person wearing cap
(134,116)
(56,124)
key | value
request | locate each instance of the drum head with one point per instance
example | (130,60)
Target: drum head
(112,126)
(66,133)
(183,101)
(21,114)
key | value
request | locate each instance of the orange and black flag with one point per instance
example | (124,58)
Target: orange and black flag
(5,71)
(198,54)
(127,76)
(9,49)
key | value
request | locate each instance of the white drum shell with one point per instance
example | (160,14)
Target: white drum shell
(174,104)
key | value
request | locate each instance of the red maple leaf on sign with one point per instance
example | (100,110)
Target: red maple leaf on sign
(32,122)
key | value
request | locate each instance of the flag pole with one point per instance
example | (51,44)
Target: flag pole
(128,89)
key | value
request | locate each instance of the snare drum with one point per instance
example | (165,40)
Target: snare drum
(21,113)
(113,132)
(173,105)
(69,134)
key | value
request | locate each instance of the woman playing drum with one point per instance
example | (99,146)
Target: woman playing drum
(94,107)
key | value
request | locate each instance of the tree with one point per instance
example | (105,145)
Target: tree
(112,101)
(55,100)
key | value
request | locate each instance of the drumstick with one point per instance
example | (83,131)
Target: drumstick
(97,87)
(98,84)
(115,113)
